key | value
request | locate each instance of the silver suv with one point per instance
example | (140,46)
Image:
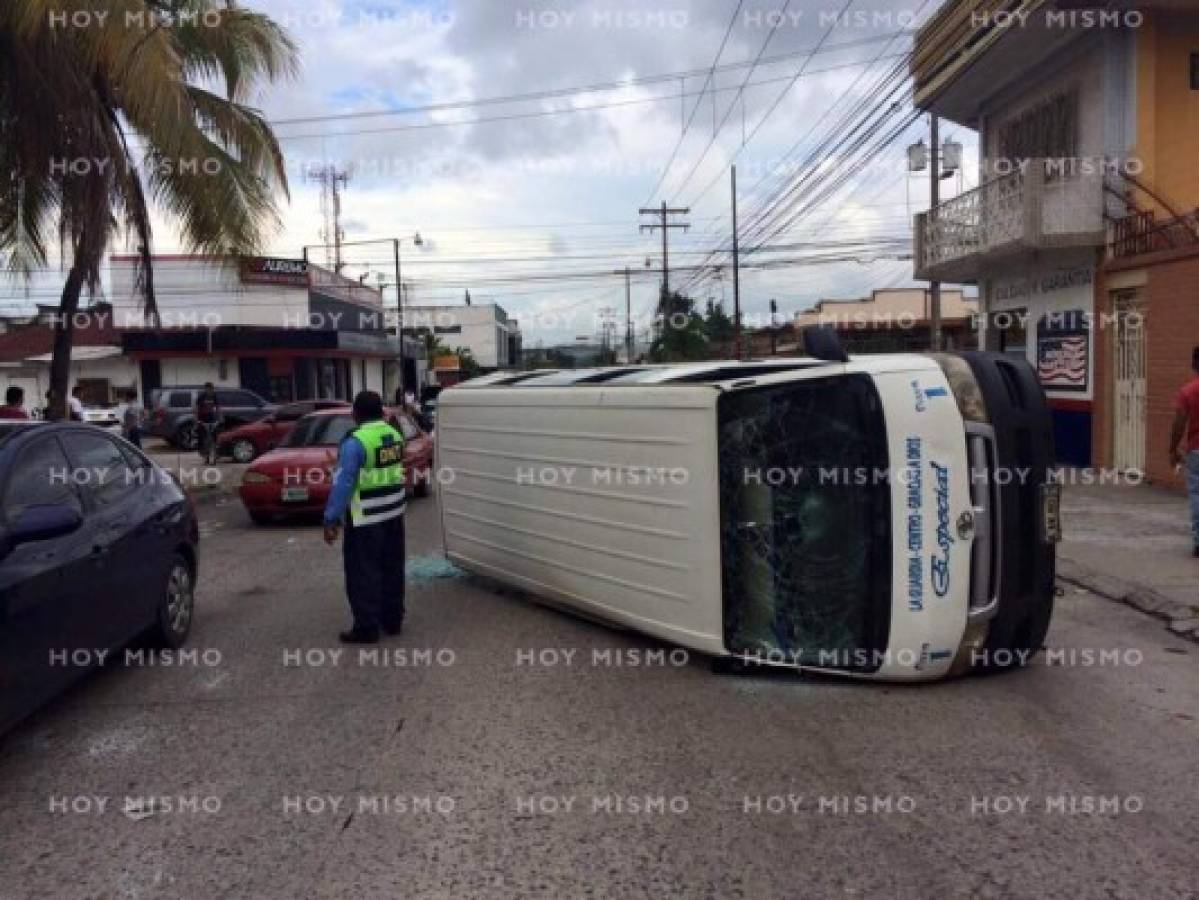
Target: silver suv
(173,412)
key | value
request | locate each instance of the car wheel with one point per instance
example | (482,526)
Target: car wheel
(176,604)
(244,450)
(185,437)
(260,518)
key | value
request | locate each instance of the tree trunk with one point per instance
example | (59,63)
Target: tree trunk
(64,332)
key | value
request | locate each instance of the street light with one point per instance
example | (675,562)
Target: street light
(417,241)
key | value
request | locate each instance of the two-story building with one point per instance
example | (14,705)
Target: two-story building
(484,329)
(283,328)
(1082,236)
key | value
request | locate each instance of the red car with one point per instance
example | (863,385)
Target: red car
(296,477)
(251,440)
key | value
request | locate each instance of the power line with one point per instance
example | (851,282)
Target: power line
(538,114)
(554,93)
(695,108)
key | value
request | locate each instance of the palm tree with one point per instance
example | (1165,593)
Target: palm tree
(75,91)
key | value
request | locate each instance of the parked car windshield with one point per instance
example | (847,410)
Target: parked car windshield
(805,538)
(317,431)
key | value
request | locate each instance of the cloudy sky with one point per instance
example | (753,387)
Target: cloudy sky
(513,196)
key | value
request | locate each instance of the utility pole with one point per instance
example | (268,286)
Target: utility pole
(663,213)
(935,200)
(628,314)
(736,273)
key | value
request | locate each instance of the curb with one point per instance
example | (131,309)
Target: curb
(1181,619)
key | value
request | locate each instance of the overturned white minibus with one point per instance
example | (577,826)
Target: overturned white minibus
(889,517)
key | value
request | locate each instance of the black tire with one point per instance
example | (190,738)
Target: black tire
(176,605)
(243,450)
(186,437)
(260,518)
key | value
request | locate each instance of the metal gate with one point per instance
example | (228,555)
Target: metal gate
(1129,437)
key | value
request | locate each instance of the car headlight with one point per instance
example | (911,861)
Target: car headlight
(255,478)
(965,388)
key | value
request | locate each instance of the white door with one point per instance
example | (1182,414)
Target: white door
(1129,374)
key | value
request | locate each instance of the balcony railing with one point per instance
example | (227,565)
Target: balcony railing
(1032,208)
(1140,233)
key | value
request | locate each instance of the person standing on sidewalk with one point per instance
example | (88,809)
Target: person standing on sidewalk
(1186,422)
(207,412)
(368,490)
(132,417)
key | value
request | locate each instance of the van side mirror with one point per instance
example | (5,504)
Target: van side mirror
(41,523)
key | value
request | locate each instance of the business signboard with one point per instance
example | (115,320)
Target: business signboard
(272,270)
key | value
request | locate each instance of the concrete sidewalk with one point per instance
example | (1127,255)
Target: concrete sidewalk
(198,479)
(1131,543)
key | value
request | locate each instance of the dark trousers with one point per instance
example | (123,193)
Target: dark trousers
(374,563)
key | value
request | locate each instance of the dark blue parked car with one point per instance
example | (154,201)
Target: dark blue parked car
(98,546)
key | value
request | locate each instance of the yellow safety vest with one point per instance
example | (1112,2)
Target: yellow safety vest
(379,494)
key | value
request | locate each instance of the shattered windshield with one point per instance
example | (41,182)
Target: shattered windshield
(805,522)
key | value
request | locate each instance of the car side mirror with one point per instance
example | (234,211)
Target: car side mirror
(41,523)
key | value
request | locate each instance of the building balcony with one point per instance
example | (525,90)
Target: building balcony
(1028,210)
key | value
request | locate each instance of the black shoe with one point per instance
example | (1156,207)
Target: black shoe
(393,630)
(359,636)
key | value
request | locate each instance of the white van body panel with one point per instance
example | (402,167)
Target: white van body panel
(574,495)
(570,494)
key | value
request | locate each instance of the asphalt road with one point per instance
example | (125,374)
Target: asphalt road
(497,756)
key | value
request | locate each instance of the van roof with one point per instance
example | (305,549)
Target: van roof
(661,373)
(726,373)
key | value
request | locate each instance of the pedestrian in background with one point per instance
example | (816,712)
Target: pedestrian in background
(1186,424)
(14,404)
(75,404)
(131,416)
(368,496)
(207,412)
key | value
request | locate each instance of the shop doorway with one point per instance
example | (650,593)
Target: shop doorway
(1129,383)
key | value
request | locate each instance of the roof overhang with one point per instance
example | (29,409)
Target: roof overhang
(972,50)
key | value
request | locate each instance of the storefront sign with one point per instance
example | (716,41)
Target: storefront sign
(1063,345)
(1044,284)
(272,270)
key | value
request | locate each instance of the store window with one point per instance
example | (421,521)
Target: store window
(1010,327)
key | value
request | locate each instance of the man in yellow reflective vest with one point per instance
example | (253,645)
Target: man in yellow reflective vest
(368,495)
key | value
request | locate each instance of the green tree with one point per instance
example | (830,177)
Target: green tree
(681,333)
(173,74)
(717,325)
(467,364)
